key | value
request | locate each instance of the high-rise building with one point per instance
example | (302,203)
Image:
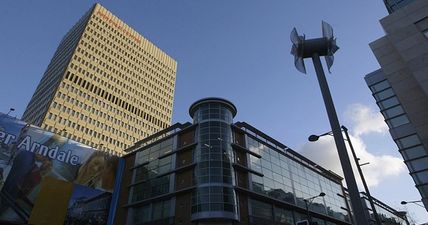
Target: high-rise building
(400,87)
(394,5)
(106,85)
(215,171)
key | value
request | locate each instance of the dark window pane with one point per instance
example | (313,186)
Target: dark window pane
(408,141)
(387,103)
(398,121)
(394,111)
(384,94)
(380,86)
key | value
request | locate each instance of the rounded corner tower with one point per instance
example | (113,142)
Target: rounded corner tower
(214,196)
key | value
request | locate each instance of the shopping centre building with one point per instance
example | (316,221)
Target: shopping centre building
(216,171)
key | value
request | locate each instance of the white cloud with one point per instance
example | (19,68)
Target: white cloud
(364,121)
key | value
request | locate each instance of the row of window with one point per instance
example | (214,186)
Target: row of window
(122,65)
(99,38)
(411,147)
(115,100)
(385,215)
(213,198)
(74,100)
(416,157)
(126,90)
(89,136)
(150,179)
(213,111)
(141,87)
(119,38)
(265,213)
(390,107)
(45,90)
(287,180)
(153,152)
(157,211)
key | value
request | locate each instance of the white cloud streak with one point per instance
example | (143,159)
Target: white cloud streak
(364,121)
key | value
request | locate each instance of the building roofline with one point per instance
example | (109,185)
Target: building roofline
(226,102)
(288,151)
(155,137)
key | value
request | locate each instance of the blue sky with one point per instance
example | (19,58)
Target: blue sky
(239,50)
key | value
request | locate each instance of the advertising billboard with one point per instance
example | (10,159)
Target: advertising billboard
(48,179)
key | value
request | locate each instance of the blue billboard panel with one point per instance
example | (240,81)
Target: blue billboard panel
(29,155)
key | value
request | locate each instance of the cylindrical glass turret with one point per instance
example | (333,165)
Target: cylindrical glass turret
(214,196)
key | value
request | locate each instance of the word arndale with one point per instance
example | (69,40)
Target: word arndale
(53,153)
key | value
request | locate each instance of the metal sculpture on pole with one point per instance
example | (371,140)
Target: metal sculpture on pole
(314,48)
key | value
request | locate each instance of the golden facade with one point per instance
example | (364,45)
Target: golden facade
(106,85)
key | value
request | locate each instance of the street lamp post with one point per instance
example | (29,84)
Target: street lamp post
(314,48)
(366,188)
(308,203)
(10,110)
(413,202)
(313,138)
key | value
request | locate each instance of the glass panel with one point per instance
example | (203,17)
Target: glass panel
(418,164)
(398,121)
(151,188)
(408,141)
(277,183)
(387,103)
(261,209)
(166,208)
(421,177)
(392,112)
(284,216)
(380,86)
(423,190)
(141,215)
(157,211)
(414,152)
(384,94)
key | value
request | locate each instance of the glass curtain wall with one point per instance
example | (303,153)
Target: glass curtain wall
(214,196)
(151,179)
(290,181)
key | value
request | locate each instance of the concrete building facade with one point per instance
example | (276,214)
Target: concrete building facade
(106,85)
(394,5)
(400,87)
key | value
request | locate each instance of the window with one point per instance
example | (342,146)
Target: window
(380,86)
(421,177)
(413,152)
(261,210)
(284,216)
(392,112)
(418,164)
(397,121)
(384,94)
(151,188)
(408,141)
(213,198)
(152,212)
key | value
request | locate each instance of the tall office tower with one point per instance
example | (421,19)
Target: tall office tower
(400,87)
(394,5)
(106,85)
